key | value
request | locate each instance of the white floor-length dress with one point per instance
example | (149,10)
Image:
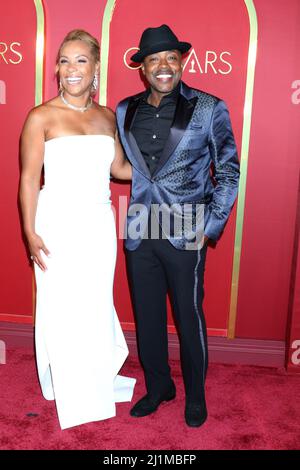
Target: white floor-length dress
(80,346)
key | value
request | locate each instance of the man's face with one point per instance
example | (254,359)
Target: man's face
(163,70)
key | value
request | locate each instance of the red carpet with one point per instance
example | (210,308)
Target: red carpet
(249,408)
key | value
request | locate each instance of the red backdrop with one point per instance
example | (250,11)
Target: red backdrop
(19,79)
(270,209)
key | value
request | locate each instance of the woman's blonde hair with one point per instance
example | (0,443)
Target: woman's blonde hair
(81,35)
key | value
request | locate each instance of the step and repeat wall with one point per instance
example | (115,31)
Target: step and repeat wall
(243,51)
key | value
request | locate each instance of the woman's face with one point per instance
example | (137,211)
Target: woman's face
(76,67)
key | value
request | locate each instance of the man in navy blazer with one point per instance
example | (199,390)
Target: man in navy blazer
(180,143)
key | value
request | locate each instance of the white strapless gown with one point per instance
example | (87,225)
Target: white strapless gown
(80,346)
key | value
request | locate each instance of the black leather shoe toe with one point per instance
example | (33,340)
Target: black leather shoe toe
(195,414)
(147,405)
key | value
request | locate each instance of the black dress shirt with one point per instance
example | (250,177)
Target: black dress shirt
(151,126)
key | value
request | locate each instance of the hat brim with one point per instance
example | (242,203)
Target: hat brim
(162,46)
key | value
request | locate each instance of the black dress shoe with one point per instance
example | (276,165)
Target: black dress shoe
(195,414)
(147,405)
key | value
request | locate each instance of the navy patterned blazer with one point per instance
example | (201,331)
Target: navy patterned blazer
(198,166)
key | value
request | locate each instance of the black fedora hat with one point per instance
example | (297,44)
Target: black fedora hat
(158,39)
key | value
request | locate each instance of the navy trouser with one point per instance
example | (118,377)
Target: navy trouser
(154,269)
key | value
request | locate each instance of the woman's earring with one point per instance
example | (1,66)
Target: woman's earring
(60,86)
(95,83)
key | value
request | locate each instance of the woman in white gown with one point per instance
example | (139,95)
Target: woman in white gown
(70,229)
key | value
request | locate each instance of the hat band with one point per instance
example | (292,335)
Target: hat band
(161,46)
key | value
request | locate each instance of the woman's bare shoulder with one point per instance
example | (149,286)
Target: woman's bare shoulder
(38,117)
(42,111)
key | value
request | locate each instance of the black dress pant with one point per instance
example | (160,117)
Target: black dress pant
(155,268)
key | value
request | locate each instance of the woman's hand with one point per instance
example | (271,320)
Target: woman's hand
(32,158)
(36,245)
(121,168)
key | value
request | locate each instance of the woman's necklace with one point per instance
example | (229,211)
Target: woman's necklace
(76,108)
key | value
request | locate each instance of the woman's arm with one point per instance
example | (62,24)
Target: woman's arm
(120,168)
(32,158)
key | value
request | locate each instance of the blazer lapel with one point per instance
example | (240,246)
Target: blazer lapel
(183,114)
(129,118)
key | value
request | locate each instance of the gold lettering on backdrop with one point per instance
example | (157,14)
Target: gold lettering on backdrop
(3,50)
(225,62)
(18,54)
(127,59)
(212,62)
(9,54)
(2,92)
(193,61)
(209,62)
